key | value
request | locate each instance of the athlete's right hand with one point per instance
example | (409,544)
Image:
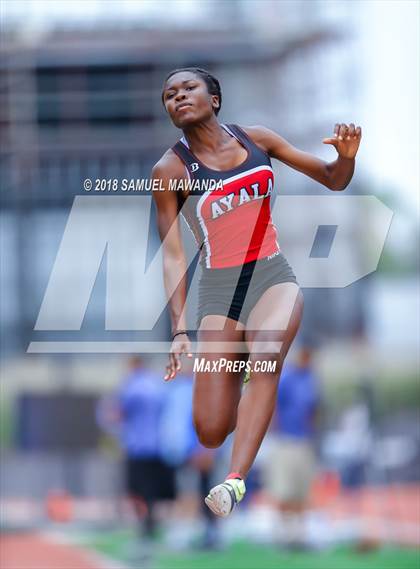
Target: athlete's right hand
(181,344)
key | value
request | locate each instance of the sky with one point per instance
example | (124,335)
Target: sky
(389,42)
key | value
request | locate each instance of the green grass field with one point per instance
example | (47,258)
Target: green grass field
(248,556)
(245,556)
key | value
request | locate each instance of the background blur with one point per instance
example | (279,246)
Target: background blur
(80,97)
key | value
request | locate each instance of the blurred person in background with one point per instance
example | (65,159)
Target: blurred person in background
(133,413)
(240,257)
(355,439)
(349,449)
(290,466)
(194,462)
(203,461)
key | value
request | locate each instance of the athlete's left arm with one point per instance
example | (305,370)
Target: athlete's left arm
(334,175)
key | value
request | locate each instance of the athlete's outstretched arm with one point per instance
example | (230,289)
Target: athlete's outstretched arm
(334,175)
(174,262)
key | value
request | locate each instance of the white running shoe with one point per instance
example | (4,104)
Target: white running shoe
(223,498)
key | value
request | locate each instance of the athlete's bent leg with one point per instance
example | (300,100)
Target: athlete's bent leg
(271,328)
(217,393)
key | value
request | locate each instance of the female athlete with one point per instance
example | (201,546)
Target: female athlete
(248,293)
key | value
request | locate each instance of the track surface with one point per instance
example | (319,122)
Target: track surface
(32,551)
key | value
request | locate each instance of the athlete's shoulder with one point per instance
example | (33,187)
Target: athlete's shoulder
(267,139)
(169,165)
(260,135)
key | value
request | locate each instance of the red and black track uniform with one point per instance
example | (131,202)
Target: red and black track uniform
(233,228)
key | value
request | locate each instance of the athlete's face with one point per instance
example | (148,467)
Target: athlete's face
(187,100)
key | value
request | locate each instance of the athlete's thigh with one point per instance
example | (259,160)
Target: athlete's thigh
(275,318)
(217,393)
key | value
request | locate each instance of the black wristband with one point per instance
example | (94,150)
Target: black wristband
(178,333)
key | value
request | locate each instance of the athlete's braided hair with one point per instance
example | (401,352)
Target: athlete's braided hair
(213,85)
